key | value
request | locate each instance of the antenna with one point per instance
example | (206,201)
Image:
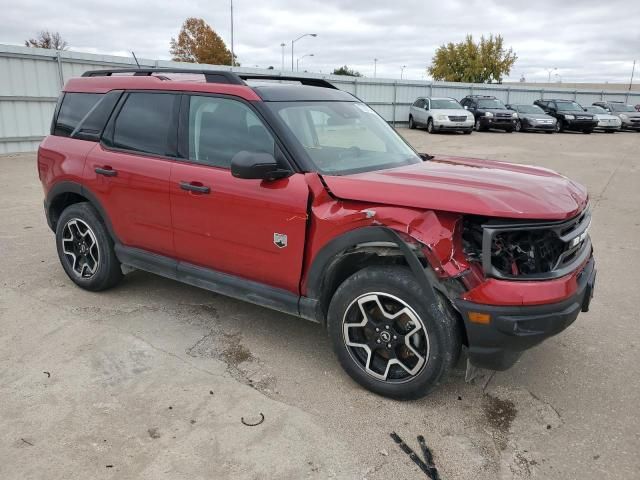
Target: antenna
(134,57)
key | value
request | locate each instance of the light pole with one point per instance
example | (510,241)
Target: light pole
(300,58)
(282,45)
(549,70)
(375,67)
(295,40)
(233,57)
(402,71)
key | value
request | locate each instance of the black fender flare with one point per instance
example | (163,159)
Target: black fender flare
(323,261)
(63,187)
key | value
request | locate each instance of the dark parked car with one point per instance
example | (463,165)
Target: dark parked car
(302,199)
(626,113)
(570,115)
(489,112)
(533,118)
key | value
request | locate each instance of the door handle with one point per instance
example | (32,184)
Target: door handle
(106,171)
(193,187)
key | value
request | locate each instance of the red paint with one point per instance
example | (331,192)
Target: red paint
(478,187)
(124,82)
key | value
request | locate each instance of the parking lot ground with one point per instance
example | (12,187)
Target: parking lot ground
(151,379)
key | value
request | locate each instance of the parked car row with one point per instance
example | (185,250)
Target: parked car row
(484,112)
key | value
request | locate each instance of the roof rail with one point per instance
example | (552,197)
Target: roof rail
(211,76)
(312,82)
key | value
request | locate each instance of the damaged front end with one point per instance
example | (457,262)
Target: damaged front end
(515,250)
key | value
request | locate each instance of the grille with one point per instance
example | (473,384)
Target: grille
(503,115)
(457,118)
(533,251)
(580,117)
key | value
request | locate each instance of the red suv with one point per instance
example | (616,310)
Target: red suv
(300,198)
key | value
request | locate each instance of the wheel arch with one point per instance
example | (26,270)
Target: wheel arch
(354,250)
(64,194)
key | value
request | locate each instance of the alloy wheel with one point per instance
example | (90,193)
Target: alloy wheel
(385,337)
(80,248)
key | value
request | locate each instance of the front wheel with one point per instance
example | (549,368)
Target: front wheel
(468,132)
(587,131)
(518,126)
(388,337)
(430,125)
(85,248)
(478,125)
(559,126)
(412,124)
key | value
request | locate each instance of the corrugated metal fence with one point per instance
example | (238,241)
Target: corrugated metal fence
(31,78)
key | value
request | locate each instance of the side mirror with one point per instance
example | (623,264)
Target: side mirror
(585,110)
(254,165)
(426,107)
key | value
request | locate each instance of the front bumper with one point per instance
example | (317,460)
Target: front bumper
(546,127)
(514,329)
(629,125)
(498,123)
(580,124)
(453,126)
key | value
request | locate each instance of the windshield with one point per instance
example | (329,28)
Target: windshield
(344,137)
(596,109)
(569,107)
(621,108)
(529,109)
(448,104)
(491,103)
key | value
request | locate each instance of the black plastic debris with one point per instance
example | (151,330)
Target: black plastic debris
(248,424)
(426,465)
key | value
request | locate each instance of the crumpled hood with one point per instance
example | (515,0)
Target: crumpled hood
(464,185)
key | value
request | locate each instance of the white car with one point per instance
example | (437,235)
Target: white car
(606,122)
(439,114)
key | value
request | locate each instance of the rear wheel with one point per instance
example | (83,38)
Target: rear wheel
(412,124)
(430,125)
(388,337)
(85,248)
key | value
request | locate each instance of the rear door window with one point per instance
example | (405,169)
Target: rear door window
(146,124)
(73,109)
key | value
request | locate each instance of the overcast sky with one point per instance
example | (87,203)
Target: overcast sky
(586,40)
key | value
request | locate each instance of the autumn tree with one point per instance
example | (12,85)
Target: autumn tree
(487,61)
(46,39)
(347,71)
(198,43)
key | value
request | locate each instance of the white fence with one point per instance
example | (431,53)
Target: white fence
(31,78)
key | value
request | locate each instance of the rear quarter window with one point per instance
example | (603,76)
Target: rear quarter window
(73,109)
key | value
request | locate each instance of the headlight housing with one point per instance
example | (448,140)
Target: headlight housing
(569,117)
(514,114)
(488,114)
(624,116)
(470,117)
(442,117)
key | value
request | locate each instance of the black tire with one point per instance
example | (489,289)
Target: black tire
(468,132)
(549,131)
(412,124)
(559,126)
(587,131)
(518,127)
(478,125)
(83,245)
(430,125)
(510,130)
(441,335)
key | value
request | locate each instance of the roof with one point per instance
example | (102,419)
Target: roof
(208,81)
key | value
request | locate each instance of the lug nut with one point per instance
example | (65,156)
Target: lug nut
(388,345)
(395,337)
(378,341)
(377,329)
(387,327)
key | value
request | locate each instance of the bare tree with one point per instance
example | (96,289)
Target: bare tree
(47,39)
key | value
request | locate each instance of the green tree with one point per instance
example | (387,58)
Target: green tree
(198,43)
(46,39)
(346,71)
(487,61)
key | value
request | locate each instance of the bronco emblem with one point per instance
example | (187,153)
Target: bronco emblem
(280,240)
